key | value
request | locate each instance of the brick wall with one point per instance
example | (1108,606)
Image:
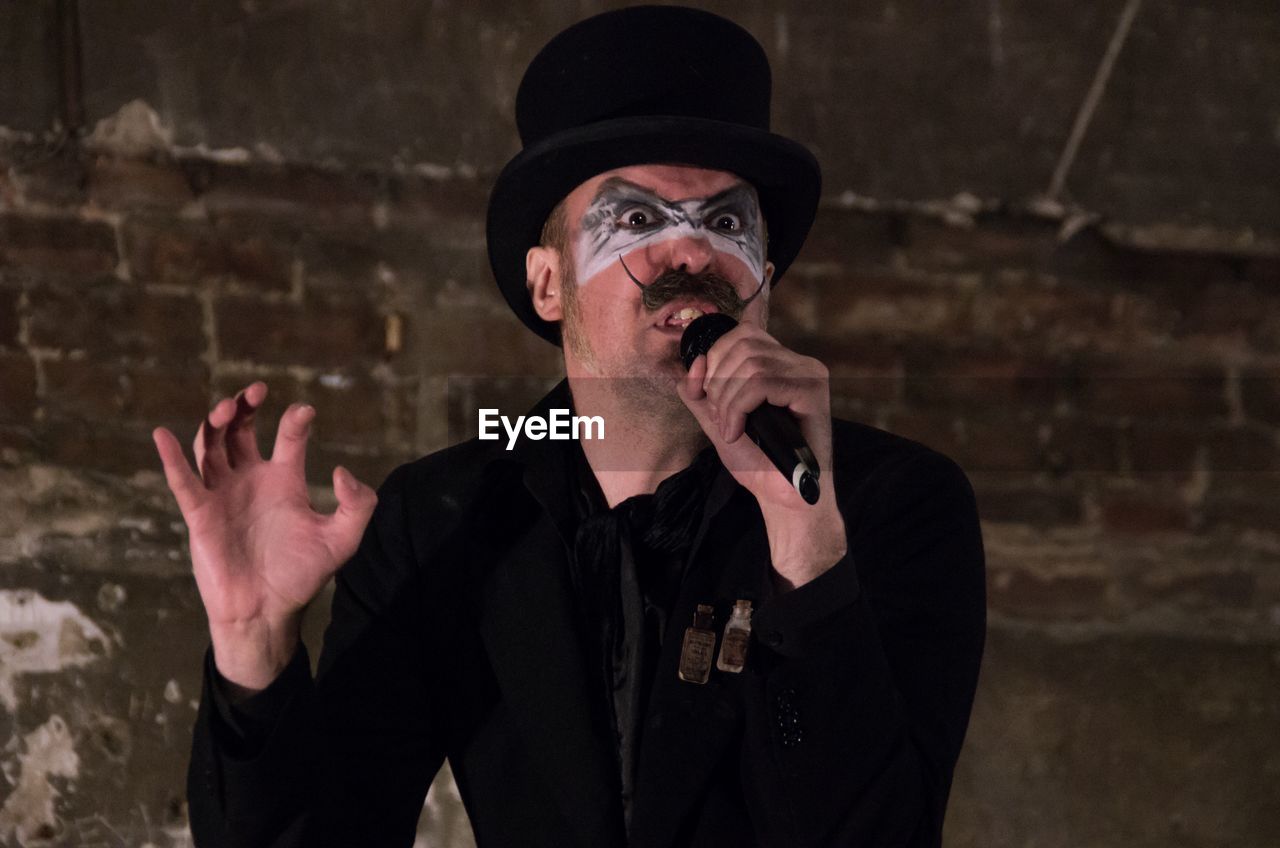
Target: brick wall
(1110,381)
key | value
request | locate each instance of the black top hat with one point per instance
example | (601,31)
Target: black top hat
(646,84)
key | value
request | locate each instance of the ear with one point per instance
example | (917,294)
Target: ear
(542,275)
(769,268)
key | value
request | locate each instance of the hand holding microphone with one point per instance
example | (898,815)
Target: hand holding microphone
(750,381)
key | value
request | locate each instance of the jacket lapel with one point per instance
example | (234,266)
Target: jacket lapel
(527,624)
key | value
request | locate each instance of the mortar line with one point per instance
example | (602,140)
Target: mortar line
(1096,89)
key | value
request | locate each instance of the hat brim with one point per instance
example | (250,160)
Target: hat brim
(785,174)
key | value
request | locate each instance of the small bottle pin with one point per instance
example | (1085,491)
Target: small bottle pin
(737,635)
(699,646)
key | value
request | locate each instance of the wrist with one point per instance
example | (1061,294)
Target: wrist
(251,654)
(804,544)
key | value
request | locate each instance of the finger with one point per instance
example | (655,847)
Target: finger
(210,444)
(729,363)
(183,482)
(724,346)
(693,379)
(291,436)
(690,391)
(242,440)
(741,458)
(355,507)
(742,395)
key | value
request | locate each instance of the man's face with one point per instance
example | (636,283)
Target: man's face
(697,233)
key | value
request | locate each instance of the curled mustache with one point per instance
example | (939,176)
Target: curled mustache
(674,283)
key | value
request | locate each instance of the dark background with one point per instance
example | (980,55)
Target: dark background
(1049,246)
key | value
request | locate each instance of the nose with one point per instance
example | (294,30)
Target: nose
(692,254)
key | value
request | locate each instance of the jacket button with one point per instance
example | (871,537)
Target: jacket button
(773,638)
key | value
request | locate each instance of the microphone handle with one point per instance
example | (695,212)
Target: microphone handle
(777,433)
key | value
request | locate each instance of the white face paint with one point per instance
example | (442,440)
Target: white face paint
(624,217)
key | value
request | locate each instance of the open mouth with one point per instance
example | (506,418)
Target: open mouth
(681,317)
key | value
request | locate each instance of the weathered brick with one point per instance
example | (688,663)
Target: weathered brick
(1172,275)
(1260,394)
(886,303)
(1144,511)
(842,239)
(1243,501)
(9,324)
(861,369)
(1160,447)
(1076,445)
(1005,497)
(173,392)
(995,242)
(1206,591)
(1025,593)
(109,319)
(1264,271)
(56,180)
(341,264)
(101,445)
(1055,314)
(472,341)
(1143,386)
(320,195)
(318,333)
(186,252)
(131,184)
(1232,311)
(416,202)
(57,244)
(1247,450)
(981,379)
(439,263)
(17,387)
(995,442)
(1148,704)
(349,409)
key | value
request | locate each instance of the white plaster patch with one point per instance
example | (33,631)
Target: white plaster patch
(39,635)
(134,130)
(47,752)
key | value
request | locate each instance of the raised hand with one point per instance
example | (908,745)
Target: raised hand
(259,551)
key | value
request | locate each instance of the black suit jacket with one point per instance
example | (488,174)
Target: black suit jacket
(452,635)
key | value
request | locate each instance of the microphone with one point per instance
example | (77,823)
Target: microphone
(773,428)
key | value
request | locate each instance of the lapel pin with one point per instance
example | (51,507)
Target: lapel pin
(737,635)
(699,646)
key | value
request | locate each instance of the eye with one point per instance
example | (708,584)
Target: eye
(727,221)
(638,218)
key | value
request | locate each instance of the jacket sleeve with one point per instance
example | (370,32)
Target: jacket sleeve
(346,758)
(861,694)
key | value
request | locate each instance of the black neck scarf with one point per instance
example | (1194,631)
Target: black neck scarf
(627,568)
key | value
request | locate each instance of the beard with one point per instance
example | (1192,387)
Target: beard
(641,384)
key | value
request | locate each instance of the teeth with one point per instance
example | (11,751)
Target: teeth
(684,316)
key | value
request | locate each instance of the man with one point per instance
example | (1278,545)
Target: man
(547,617)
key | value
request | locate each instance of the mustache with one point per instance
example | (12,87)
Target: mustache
(674,283)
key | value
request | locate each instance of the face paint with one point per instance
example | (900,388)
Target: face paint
(624,216)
